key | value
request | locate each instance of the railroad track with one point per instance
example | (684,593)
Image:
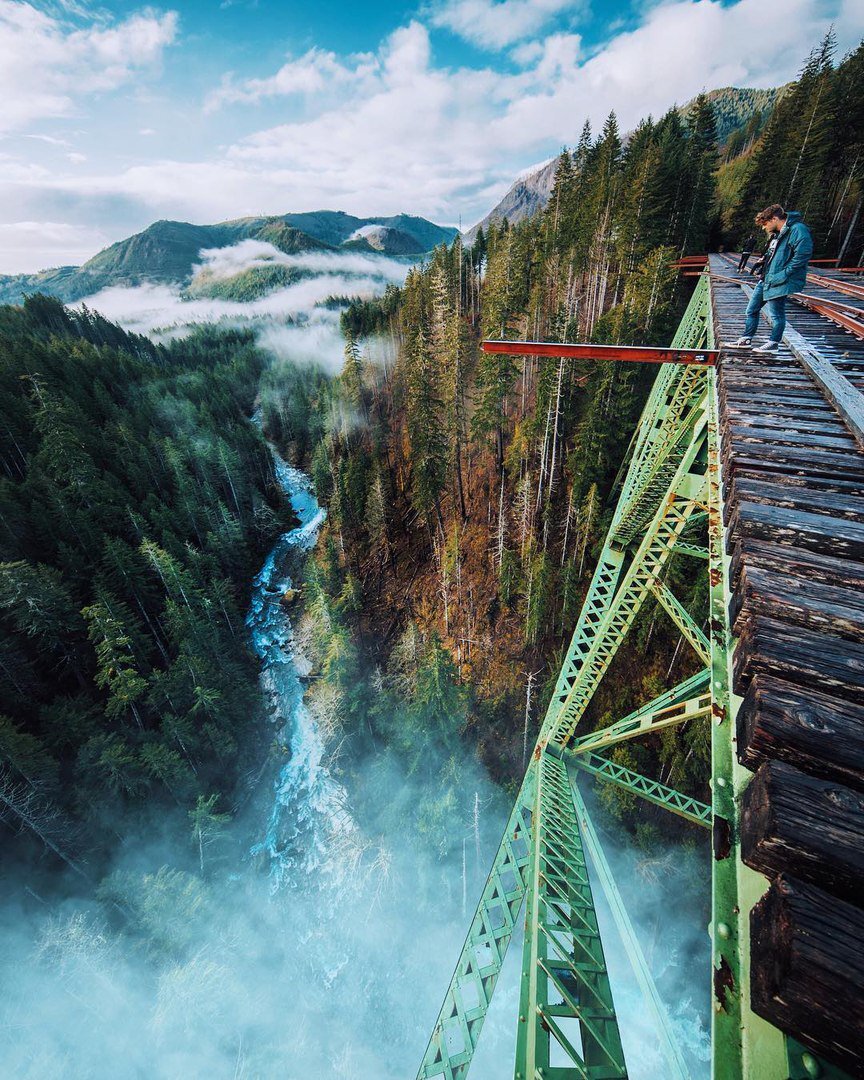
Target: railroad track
(821,298)
(793,509)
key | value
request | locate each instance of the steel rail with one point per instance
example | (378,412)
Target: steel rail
(582,351)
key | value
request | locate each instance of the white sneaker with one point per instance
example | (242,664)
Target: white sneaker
(767,347)
(741,343)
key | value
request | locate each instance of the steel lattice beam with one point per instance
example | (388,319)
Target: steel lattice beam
(460,1020)
(664,496)
(675,801)
(690,700)
(682,619)
(686,495)
(564,977)
(669,1044)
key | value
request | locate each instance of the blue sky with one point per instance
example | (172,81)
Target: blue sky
(117,114)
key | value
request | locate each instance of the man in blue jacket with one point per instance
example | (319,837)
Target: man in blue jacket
(784,271)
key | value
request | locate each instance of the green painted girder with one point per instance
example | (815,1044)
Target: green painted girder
(457,1029)
(600,593)
(678,391)
(682,619)
(662,431)
(696,550)
(677,1067)
(648,563)
(684,806)
(689,700)
(564,978)
(460,1020)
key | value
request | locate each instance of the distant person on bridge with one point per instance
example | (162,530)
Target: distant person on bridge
(747,250)
(783,269)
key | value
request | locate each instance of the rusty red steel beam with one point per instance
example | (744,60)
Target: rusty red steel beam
(841,314)
(847,287)
(640,354)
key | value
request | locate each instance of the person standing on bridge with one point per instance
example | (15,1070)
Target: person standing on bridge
(747,250)
(783,269)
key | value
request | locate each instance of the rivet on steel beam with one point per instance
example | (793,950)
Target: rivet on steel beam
(811,1065)
(724,931)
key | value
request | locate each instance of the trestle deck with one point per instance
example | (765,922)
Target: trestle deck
(793,507)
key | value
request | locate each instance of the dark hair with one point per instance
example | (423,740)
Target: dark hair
(772,211)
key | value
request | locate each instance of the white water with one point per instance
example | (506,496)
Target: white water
(309,821)
(389,948)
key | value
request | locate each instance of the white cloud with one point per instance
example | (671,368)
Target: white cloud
(28,246)
(393,131)
(290,322)
(312,73)
(47,64)
(496,24)
(226,262)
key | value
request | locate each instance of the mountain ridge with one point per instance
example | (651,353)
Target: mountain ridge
(736,108)
(167,251)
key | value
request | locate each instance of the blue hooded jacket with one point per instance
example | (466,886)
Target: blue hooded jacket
(787,271)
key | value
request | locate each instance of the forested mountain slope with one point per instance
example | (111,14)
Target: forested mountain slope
(136,500)
(468,492)
(167,251)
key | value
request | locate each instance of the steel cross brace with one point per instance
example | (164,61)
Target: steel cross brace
(675,411)
(613,603)
(466,1002)
(682,619)
(696,550)
(564,976)
(677,393)
(648,562)
(662,427)
(689,700)
(646,788)
(677,1067)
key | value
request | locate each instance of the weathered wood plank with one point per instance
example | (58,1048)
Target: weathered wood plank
(809,499)
(802,825)
(816,566)
(797,528)
(823,662)
(820,735)
(796,600)
(786,459)
(784,437)
(793,425)
(844,489)
(807,970)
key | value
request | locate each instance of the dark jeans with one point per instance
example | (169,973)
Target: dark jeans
(776,309)
(742,262)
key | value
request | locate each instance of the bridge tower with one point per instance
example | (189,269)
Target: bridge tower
(677,499)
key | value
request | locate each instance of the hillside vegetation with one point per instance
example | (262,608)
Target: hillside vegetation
(468,492)
(136,501)
(168,251)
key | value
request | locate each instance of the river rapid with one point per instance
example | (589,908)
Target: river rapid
(386,920)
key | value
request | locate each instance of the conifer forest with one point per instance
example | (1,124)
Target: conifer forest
(464,495)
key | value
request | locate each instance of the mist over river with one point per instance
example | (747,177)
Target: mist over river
(320,939)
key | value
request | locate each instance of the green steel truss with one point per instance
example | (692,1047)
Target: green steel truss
(567,1026)
(460,1020)
(690,700)
(652,790)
